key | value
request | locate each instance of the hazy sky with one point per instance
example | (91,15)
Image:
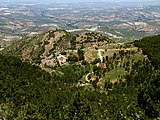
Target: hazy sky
(79,0)
(150,2)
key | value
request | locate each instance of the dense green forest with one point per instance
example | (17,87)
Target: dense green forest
(29,93)
(151,48)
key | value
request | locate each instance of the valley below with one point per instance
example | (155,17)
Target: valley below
(118,22)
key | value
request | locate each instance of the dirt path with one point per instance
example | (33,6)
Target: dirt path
(87,77)
(1,49)
(99,54)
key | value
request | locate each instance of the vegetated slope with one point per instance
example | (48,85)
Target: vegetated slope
(65,94)
(30,93)
(34,49)
(151,47)
(27,92)
(22,88)
(45,49)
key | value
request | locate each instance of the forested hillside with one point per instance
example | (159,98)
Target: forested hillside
(151,48)
(128,88)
